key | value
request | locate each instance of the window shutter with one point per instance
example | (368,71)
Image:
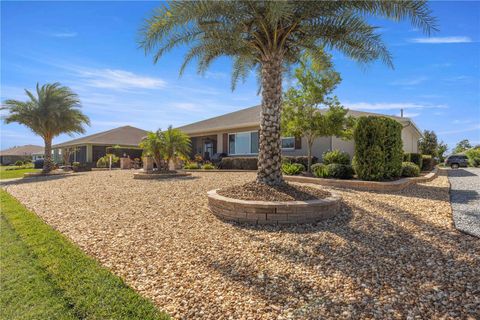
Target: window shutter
(298,143)
(225,143)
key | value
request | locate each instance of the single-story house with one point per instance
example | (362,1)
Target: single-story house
(26,152)
(91,148)
(236,134)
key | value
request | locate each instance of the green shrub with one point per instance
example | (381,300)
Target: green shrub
(393,148)
(299,159)
(428,163)
(191,166)
(410,169)
(473,156)
(292,169)
(378,148)
(239,163)
(19,163)
(339,171)
(406,157)
(416,158)
(336,156)
(319,170)
(208,166)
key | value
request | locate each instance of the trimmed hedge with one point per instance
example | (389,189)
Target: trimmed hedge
(410,169)
(299,159)
(239,163)
(378,148)
(428,163)
(415,158)
(339,171)
(336,156)
(292,169)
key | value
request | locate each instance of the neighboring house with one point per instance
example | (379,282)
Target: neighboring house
(236,134)
(91,148)
(27,152)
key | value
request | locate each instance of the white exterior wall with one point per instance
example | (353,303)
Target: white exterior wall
(410,138)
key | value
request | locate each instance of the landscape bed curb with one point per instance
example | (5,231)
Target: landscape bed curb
(40,174)
(152,176)
(273,212)
(396,185)
(218,170)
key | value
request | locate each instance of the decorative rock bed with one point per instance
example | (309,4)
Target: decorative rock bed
(273,212)
(147,176)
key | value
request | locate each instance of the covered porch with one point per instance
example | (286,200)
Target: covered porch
(206,146)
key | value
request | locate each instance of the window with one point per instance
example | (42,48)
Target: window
(243,143)
(288,143)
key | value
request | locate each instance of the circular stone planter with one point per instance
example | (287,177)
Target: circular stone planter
(149,176)
(273,212)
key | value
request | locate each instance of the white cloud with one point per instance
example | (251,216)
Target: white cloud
(64,34)
(438,40)
(186,106)
(472,128)
(410,82)
(119,79)
(391,106)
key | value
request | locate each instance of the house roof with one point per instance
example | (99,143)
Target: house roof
(123,136)
(26,150)
(251,117)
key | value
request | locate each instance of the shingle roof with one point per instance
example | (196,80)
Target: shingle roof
(251,117)
(26,150)
(123,136)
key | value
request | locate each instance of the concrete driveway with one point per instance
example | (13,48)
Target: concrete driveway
(465,199)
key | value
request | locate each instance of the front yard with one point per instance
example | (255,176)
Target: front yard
(11,174)
(387,255)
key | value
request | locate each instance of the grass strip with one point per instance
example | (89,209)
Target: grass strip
(65,272)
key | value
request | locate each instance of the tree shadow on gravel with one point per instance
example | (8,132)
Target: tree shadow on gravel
(464,196)
(389,257)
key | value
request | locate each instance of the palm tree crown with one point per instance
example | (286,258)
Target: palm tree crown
(268,36)
(53,111)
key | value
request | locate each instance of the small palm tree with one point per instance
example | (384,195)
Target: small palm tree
(175,144)
(152,146)
(269,36)
(53,111)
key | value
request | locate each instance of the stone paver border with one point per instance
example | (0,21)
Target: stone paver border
(396,185)
(273,212)
(150,176)
(40,174)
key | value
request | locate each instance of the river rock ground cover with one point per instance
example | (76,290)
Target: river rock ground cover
(387,255)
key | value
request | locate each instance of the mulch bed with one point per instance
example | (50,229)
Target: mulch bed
(262,192)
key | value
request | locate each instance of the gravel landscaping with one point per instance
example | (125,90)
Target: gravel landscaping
(385,256)
(261,192)
(465,198)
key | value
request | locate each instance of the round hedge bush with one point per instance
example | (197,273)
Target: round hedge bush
(339,171)
(19,163)
(336,156)
(291,169)
(410,169)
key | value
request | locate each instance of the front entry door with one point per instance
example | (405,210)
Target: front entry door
(207,150)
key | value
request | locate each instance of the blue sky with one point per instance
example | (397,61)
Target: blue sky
(92,47)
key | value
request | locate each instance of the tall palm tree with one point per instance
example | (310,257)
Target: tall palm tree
(175,144)
(269,36)
(53,111)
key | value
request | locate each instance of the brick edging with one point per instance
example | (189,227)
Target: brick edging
(396,185)
(273,212)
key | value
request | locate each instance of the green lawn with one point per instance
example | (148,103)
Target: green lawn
(10,174)
(44,276)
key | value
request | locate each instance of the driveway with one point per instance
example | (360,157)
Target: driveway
(465,199)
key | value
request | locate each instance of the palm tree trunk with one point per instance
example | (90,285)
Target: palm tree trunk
(269,153)
(47,162)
